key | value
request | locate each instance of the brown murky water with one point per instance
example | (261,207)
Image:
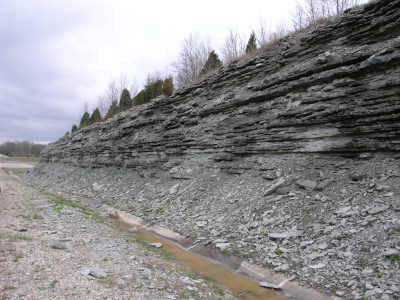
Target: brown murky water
(239,287)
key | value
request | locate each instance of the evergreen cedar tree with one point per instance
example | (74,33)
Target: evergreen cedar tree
(95,117)
(84,120)
(152,89)
(125,101)
(74,128)
(212,63)
(251,45)
(112,111)
(168,86)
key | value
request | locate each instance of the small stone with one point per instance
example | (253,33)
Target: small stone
(391,252)
(307,184)
(317,266)
(56,245)
(367,271)
(269,285)
(369,286)
(369,293)
(323,184)
(281,182)
(396,225)
(20,229)
(85,271)
(282,268)
(395,288)
(133,230)
(97,272)
(121,281)
(379,209)
(156,245)
(385,297)
(305,244)
(174,189)
(323,246)
(351,282)
(343,210)
(222,246)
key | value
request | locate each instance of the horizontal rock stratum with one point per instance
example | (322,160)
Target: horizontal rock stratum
(291,156)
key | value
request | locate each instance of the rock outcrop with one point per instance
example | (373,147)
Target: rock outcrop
(291,157)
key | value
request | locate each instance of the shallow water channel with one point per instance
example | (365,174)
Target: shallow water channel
(238,286)
(211,263)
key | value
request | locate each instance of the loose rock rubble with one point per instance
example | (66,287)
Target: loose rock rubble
(289,159)
(67,252)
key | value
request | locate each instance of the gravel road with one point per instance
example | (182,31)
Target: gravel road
(51,248)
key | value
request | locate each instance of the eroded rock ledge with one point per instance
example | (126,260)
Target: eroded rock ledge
(290,158)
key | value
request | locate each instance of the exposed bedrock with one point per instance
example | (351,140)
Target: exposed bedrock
(290,158)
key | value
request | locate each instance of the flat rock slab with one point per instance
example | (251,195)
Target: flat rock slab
(378,209)
(306,184)
(156,245)
(293,232)
(97,272)
(269,285)
(317,266)
(343,210)
(280,183)
(222,246)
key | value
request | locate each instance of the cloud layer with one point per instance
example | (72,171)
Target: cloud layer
(54,55)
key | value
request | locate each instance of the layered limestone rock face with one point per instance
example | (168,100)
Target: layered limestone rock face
(289,159)
(333,90)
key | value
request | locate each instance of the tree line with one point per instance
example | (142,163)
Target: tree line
(21,149)
(198,59)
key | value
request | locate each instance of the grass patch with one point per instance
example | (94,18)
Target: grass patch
(41,288)
(37,217)
(167,256)
(17,256)
(14,238)
(53,283)
(140,242)
(394,257)
(159,211)
(214,285)
(60,202)
(9,288)
(20,159)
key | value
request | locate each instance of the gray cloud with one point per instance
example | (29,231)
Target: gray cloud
(54,55)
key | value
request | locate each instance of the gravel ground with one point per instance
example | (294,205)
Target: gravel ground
(96,260)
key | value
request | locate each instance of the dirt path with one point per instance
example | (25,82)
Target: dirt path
(97,260)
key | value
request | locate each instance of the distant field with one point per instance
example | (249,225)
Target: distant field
(18,164)
(20,159)
(15,171)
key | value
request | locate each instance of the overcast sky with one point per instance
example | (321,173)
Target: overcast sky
(55,55)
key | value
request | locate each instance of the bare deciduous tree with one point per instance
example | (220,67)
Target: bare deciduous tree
(21,149)
(309,11)
(234,46)
(192,57)
(263,31)
(113,92)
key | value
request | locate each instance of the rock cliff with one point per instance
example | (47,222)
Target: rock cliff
(291,157)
